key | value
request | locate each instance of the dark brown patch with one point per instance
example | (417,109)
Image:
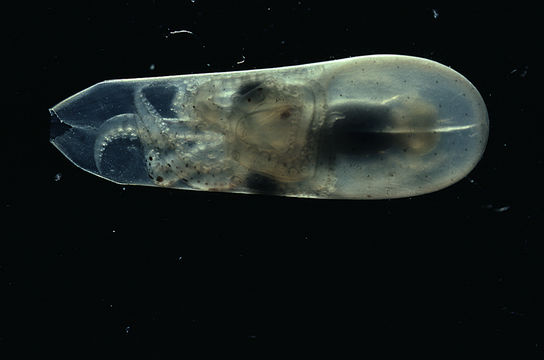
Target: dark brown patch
(285,114)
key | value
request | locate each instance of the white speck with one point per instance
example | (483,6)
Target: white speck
(113,231)
(58,176)
(242,61)
(193,1)
(127,329)
(152,67)
(123,188)
(471,181)
(208,65)
(174,32)
(435,14)
(180,258)
(522,73)
(502,209)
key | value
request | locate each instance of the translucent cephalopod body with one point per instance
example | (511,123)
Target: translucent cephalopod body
(370,127)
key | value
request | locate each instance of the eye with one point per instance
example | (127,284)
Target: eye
(248,87)
(252,93)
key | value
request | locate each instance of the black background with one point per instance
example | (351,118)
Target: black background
(91,268)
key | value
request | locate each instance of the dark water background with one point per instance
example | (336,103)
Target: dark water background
(90,268)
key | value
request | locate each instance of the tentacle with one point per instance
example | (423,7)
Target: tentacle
(182,150)
(123,126)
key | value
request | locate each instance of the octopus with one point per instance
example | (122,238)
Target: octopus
(357,128)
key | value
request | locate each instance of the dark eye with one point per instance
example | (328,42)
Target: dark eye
(252,92)
(248,87)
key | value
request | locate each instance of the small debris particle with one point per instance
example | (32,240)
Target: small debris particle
(502,209)
(57,177)
(175,32)
(127,329)
(522,72)
(242,61)
(152,67)
(435,14)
